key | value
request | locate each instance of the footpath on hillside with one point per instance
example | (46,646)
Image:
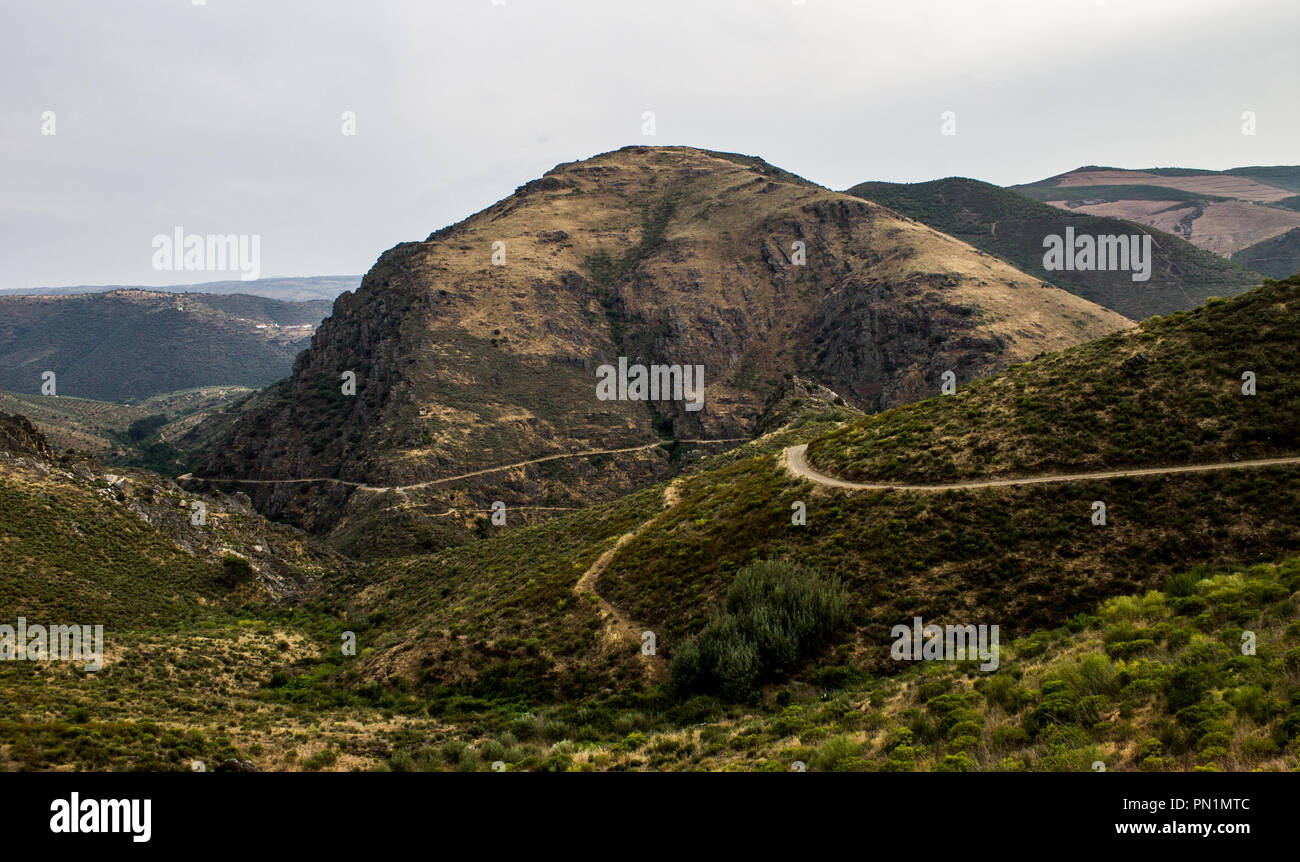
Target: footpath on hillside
(381,489)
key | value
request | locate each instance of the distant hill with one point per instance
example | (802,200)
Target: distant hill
(1222,211)
(1278,257)
(1009,225)
(128,344)
(302,289)
(153,432)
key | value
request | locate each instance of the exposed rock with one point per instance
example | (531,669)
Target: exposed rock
(793,397)
(18,435)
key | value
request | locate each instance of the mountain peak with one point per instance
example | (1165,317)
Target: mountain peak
(480,347)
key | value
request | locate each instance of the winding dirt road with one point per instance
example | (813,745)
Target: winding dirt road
(381,489)
(619,631)
(795,459)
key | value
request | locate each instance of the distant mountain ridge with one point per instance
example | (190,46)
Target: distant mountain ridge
(126,344)
(1250,214)
(301,289)
(1006,223)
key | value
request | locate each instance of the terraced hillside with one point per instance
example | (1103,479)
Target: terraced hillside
(1249,214)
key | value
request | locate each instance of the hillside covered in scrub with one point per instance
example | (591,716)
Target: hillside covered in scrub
(1150,682)
(128,549)
(1167,393)
(1020,557)
(772,632)
(133,344)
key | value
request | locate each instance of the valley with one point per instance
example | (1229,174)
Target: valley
(467,556)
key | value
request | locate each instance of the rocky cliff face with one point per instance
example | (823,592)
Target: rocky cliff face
(481,346)
(20,437)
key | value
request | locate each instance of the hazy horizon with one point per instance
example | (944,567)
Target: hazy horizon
(172,114)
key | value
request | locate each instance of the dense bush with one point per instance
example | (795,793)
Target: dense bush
(235,571)
(775,615)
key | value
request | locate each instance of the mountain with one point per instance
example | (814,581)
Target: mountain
(1012,226)
(127,344)
(303,289)
(665,256)
(1227,212)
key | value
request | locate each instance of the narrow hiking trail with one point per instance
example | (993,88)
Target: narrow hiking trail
(381,489)
(795,460)
(618,629)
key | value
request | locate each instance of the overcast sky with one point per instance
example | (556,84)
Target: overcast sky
(225,117)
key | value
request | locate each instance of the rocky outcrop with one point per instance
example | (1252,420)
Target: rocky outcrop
(795,397)
(19,436)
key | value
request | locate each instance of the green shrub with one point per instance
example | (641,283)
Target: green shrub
(1009,736)
(491,750)
(775,615)
(838,754)
(235,571)
(452,751)
(1181,584)
(1002,690)
(960,762)
(1186,687)
(321,759)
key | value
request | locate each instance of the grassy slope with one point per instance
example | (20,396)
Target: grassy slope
(100,427)
(1167,393)
(1150,682)
(76,550)
(1011,226)
(117,569)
